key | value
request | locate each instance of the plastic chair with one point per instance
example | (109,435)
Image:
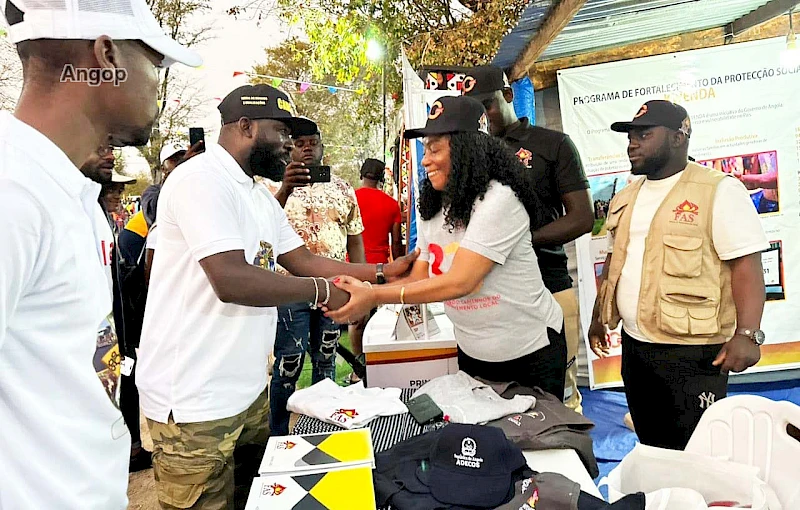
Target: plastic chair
(753,430)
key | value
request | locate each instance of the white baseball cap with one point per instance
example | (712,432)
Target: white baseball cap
(168,150)
(122,179)
(88,20)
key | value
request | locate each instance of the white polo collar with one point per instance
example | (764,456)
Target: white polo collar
(53,161)
(230,165)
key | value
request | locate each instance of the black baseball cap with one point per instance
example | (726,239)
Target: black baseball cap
(263,102)
(482,81)
(472,465)
(453,114)
(658,113)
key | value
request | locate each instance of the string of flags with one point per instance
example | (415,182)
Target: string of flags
(302,86)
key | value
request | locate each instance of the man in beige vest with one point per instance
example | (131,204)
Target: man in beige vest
(683,275)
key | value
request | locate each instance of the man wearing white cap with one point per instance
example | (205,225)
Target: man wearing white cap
(90,71)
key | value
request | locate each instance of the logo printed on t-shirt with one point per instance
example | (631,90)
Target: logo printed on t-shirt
(265,257)
(275,489)
(531,503)
(536,415)
(343,415)
(686,212)
(525,156)
(439,254)
(107,358)
(516,420)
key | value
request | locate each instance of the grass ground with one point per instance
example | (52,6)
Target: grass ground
(343,370)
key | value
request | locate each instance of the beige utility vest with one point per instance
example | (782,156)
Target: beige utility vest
(686,295)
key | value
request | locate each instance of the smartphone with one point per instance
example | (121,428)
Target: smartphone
(320,173)
(424,410)
(196,134)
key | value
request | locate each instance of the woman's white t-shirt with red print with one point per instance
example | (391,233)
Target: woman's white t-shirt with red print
(508,315)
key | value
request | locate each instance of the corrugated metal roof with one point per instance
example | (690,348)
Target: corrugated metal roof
(609,23)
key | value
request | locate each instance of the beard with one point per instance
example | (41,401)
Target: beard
(651,165)
(268,161)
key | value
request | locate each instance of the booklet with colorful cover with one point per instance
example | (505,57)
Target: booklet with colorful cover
(343,489)
(316,453)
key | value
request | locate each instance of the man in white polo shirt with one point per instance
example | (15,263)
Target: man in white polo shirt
(210,319)
(63,442)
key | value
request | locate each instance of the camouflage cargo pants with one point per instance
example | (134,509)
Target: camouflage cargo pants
(209,465)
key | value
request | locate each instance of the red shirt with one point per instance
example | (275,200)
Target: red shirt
(379,212)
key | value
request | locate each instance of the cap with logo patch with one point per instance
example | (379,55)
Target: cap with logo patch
(482,81)
(658,113)
(129,20)
(263,102)
(472,465)
(453,114)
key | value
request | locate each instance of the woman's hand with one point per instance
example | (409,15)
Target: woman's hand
(362,300)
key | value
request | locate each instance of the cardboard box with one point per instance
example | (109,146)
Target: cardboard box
(396,358)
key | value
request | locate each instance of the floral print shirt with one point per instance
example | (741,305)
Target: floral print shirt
(324,214)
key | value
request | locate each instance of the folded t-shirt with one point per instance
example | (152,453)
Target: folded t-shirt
(467,400)
(350,407)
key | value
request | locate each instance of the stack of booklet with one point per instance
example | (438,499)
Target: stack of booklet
(312,471)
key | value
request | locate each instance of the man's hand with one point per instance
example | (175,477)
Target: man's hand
(400,268)
(362,300)
(739,354)
(338,298)
(598,338)
(296,176)
(194,150)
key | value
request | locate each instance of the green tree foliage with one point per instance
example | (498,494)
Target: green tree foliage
(349,121)
(179,99)
(431,32)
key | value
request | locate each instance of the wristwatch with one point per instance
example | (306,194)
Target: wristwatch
(379,276)
(757,336)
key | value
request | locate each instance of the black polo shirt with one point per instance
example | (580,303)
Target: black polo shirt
(556,169)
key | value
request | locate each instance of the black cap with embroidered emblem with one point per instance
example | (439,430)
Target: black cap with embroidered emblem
(482,81)
(472,465)
(658,113)
(263,102)
(453,114)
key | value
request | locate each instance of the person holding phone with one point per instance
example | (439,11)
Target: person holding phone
(327,218)
(476,212)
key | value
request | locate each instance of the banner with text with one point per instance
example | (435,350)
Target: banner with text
(745,117)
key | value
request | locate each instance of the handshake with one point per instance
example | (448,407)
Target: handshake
(351,300)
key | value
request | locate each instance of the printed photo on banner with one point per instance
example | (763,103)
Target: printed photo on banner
(604,188)
(759,174)
(772,262)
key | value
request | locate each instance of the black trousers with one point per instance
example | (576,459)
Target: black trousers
(545,368)
(129,406)
(669,387)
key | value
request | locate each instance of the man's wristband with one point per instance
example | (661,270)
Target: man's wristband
(380,277)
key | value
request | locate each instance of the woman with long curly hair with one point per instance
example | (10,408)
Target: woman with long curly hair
(477,208)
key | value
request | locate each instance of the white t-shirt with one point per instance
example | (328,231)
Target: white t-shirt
(152,237)
(63,444)
(200,358)
(105,248)
(508,316)
(736,231)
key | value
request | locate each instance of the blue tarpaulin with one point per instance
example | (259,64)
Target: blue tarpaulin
(524,100)
(612,440)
